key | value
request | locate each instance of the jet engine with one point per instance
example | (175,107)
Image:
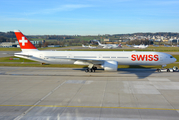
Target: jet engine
(110,65)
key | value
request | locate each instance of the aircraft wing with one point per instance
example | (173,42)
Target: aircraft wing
(30,57)
(87,61)
(82,60)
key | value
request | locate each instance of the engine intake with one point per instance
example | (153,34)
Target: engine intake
(110,65)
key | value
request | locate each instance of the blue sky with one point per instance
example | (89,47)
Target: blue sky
(89,17)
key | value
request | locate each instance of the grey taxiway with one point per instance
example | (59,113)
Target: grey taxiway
(28,93)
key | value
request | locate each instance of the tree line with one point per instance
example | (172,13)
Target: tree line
(151,34)
(78,40)
(7,37)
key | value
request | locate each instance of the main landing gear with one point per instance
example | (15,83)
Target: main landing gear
(93,69)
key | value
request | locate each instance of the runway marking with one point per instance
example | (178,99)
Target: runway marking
(91,107)
(36,104)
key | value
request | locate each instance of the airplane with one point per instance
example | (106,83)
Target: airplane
(140,46)
(91,47)
(109,46)
(129,45)
(88,46)
(84,46)
(108,60)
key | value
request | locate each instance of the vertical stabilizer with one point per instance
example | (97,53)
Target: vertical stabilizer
(99,43)
(24,43)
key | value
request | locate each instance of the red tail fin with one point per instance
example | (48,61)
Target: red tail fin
(24,43)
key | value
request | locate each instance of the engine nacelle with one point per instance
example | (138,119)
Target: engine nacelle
(110,65)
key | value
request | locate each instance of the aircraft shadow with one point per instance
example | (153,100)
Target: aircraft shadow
(140,71)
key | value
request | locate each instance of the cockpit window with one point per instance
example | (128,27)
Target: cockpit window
(171,56)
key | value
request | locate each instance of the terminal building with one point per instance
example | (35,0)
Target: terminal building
(16,44)
(8,44)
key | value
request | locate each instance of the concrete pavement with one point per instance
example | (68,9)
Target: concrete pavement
(67,93)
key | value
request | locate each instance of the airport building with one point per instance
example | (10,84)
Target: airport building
(8,44)
(16,44)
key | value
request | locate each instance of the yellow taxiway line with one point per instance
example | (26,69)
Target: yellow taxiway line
(92,107)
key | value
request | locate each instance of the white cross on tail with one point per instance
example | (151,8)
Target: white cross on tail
(23,41)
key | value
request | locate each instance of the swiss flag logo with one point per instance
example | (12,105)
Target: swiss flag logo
(23,41)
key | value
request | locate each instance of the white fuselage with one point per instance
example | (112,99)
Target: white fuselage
(75,57)
(140,46)
(108,45)
(108,60)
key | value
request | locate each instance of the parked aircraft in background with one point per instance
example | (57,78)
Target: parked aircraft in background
(92,47)
(108,60)
(85,46)
(109,46)
(88,46)
(129,45)
(140,46)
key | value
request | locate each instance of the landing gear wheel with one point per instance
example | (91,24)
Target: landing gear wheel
(91,69)
(87,70)
(159,70)
(95,68)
